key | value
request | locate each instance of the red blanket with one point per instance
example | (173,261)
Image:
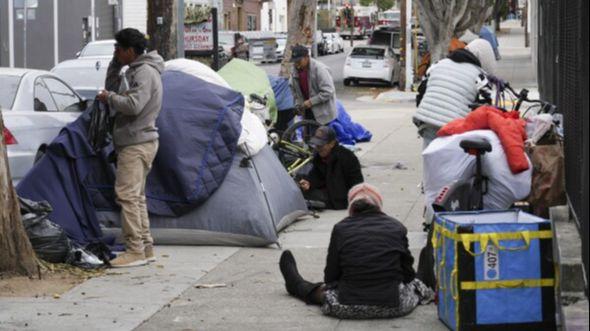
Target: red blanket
(509,127)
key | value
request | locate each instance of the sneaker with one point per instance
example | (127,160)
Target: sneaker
(129,260)
(149,253)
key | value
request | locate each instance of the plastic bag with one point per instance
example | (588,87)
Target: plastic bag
(445,162)
(48,239)
(101,126)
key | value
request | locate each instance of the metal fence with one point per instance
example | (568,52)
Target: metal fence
(563,80)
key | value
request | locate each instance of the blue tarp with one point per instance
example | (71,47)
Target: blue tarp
(199,127)
(488,34)
(348,132)
(282,91)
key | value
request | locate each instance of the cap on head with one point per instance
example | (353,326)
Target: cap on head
(368,193)
(322,136)
(298,52)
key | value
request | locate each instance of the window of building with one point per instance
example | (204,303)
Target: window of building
(251,23)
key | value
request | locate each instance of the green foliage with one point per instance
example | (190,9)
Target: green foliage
(381,4)
(196,14)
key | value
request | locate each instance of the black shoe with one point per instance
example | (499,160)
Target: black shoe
(315,205)
(289,270)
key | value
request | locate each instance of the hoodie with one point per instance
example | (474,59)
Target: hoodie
(137,107)
(485,53)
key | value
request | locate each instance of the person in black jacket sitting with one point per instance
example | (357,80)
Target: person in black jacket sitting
(335,170)
(369,271)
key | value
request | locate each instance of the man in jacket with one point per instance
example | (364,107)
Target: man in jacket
(335,170)
(312,86)
(136,106)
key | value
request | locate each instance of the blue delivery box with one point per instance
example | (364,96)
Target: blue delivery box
(495,271)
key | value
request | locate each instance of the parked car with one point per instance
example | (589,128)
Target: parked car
(36,105)
(320,41)
(389,37)
(280,51)
(376,63)
(87,73)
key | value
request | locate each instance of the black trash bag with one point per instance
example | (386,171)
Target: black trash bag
(101,126)
(48,239)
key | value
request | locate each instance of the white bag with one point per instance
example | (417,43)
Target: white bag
(445,162)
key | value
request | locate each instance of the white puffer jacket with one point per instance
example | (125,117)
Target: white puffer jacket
(450,89)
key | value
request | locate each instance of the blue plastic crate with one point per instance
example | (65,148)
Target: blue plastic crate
(495,270)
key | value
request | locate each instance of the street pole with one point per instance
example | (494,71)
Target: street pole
(26,4)
(180,30)
(10,34)
(215,39)
(92,21)
(403,40)
(409,71)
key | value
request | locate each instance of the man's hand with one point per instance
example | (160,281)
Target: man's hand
(307,104)
(304,184)
(103,96)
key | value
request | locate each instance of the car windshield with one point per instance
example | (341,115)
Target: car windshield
(98,49)
(9,85)
(367,52)
(394,16)
(282,42)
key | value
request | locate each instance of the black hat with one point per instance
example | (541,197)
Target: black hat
(298,52)
(322,136)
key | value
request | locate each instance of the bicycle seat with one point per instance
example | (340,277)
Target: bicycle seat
(475,146)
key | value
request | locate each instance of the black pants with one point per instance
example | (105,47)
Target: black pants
(317,195)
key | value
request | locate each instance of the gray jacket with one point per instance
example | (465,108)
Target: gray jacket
(450,89)
(321,91)
(137,107)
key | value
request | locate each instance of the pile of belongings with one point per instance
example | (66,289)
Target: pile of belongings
(210,154)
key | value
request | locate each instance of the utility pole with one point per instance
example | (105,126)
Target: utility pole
(408,46)
(180,30)
(402,36)
(162,27)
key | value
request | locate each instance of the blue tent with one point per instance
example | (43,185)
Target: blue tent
(282,91)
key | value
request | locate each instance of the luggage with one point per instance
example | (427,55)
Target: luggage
(495,271)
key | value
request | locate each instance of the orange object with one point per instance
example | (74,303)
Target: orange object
(425,62)
(509,127)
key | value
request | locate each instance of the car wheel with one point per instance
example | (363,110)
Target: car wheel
(355,81)
(346,82)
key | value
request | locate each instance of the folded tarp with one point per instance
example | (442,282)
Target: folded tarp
(247,78)
(199,127)
(70,176)
(347,131)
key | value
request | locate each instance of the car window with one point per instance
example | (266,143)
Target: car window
(64,97)
(42,100)
(98,49)
(367,52)
(8,91)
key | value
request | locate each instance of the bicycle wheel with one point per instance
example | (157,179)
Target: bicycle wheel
(300,132)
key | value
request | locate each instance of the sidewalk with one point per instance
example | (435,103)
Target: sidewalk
(252,297)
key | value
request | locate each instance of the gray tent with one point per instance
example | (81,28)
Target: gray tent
(256,200)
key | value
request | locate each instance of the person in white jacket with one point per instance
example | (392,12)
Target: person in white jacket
(452,85)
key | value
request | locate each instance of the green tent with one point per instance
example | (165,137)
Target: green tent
(247,78)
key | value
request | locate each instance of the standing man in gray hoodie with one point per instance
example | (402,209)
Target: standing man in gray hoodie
(136,105)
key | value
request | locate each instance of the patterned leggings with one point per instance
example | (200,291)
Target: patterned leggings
(411,295)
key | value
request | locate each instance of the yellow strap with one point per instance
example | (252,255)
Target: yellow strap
(516,283)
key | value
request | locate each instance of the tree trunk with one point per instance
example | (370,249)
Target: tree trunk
(16,252)
(301,16)
(161,27)
(441,20)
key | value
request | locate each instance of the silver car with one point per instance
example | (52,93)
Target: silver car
(87,73)
(35,105)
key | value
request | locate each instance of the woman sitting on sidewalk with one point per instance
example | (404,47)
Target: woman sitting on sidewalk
(369,271)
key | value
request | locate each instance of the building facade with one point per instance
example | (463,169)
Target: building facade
(273,16)
(242,15)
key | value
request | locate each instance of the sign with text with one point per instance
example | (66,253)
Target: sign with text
(198,37)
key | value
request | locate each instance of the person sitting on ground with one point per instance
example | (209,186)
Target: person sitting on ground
(312,86)
(452,85)
(335,170)
(369,271)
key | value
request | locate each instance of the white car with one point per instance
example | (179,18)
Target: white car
(371,63)
(35,105)
(280,51)
(87,73)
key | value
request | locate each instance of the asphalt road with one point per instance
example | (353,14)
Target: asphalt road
(336,63)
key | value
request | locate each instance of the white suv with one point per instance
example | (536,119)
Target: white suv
(371,63)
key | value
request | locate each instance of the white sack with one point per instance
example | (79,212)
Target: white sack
(445,162)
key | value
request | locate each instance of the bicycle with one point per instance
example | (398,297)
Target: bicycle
(292,145)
